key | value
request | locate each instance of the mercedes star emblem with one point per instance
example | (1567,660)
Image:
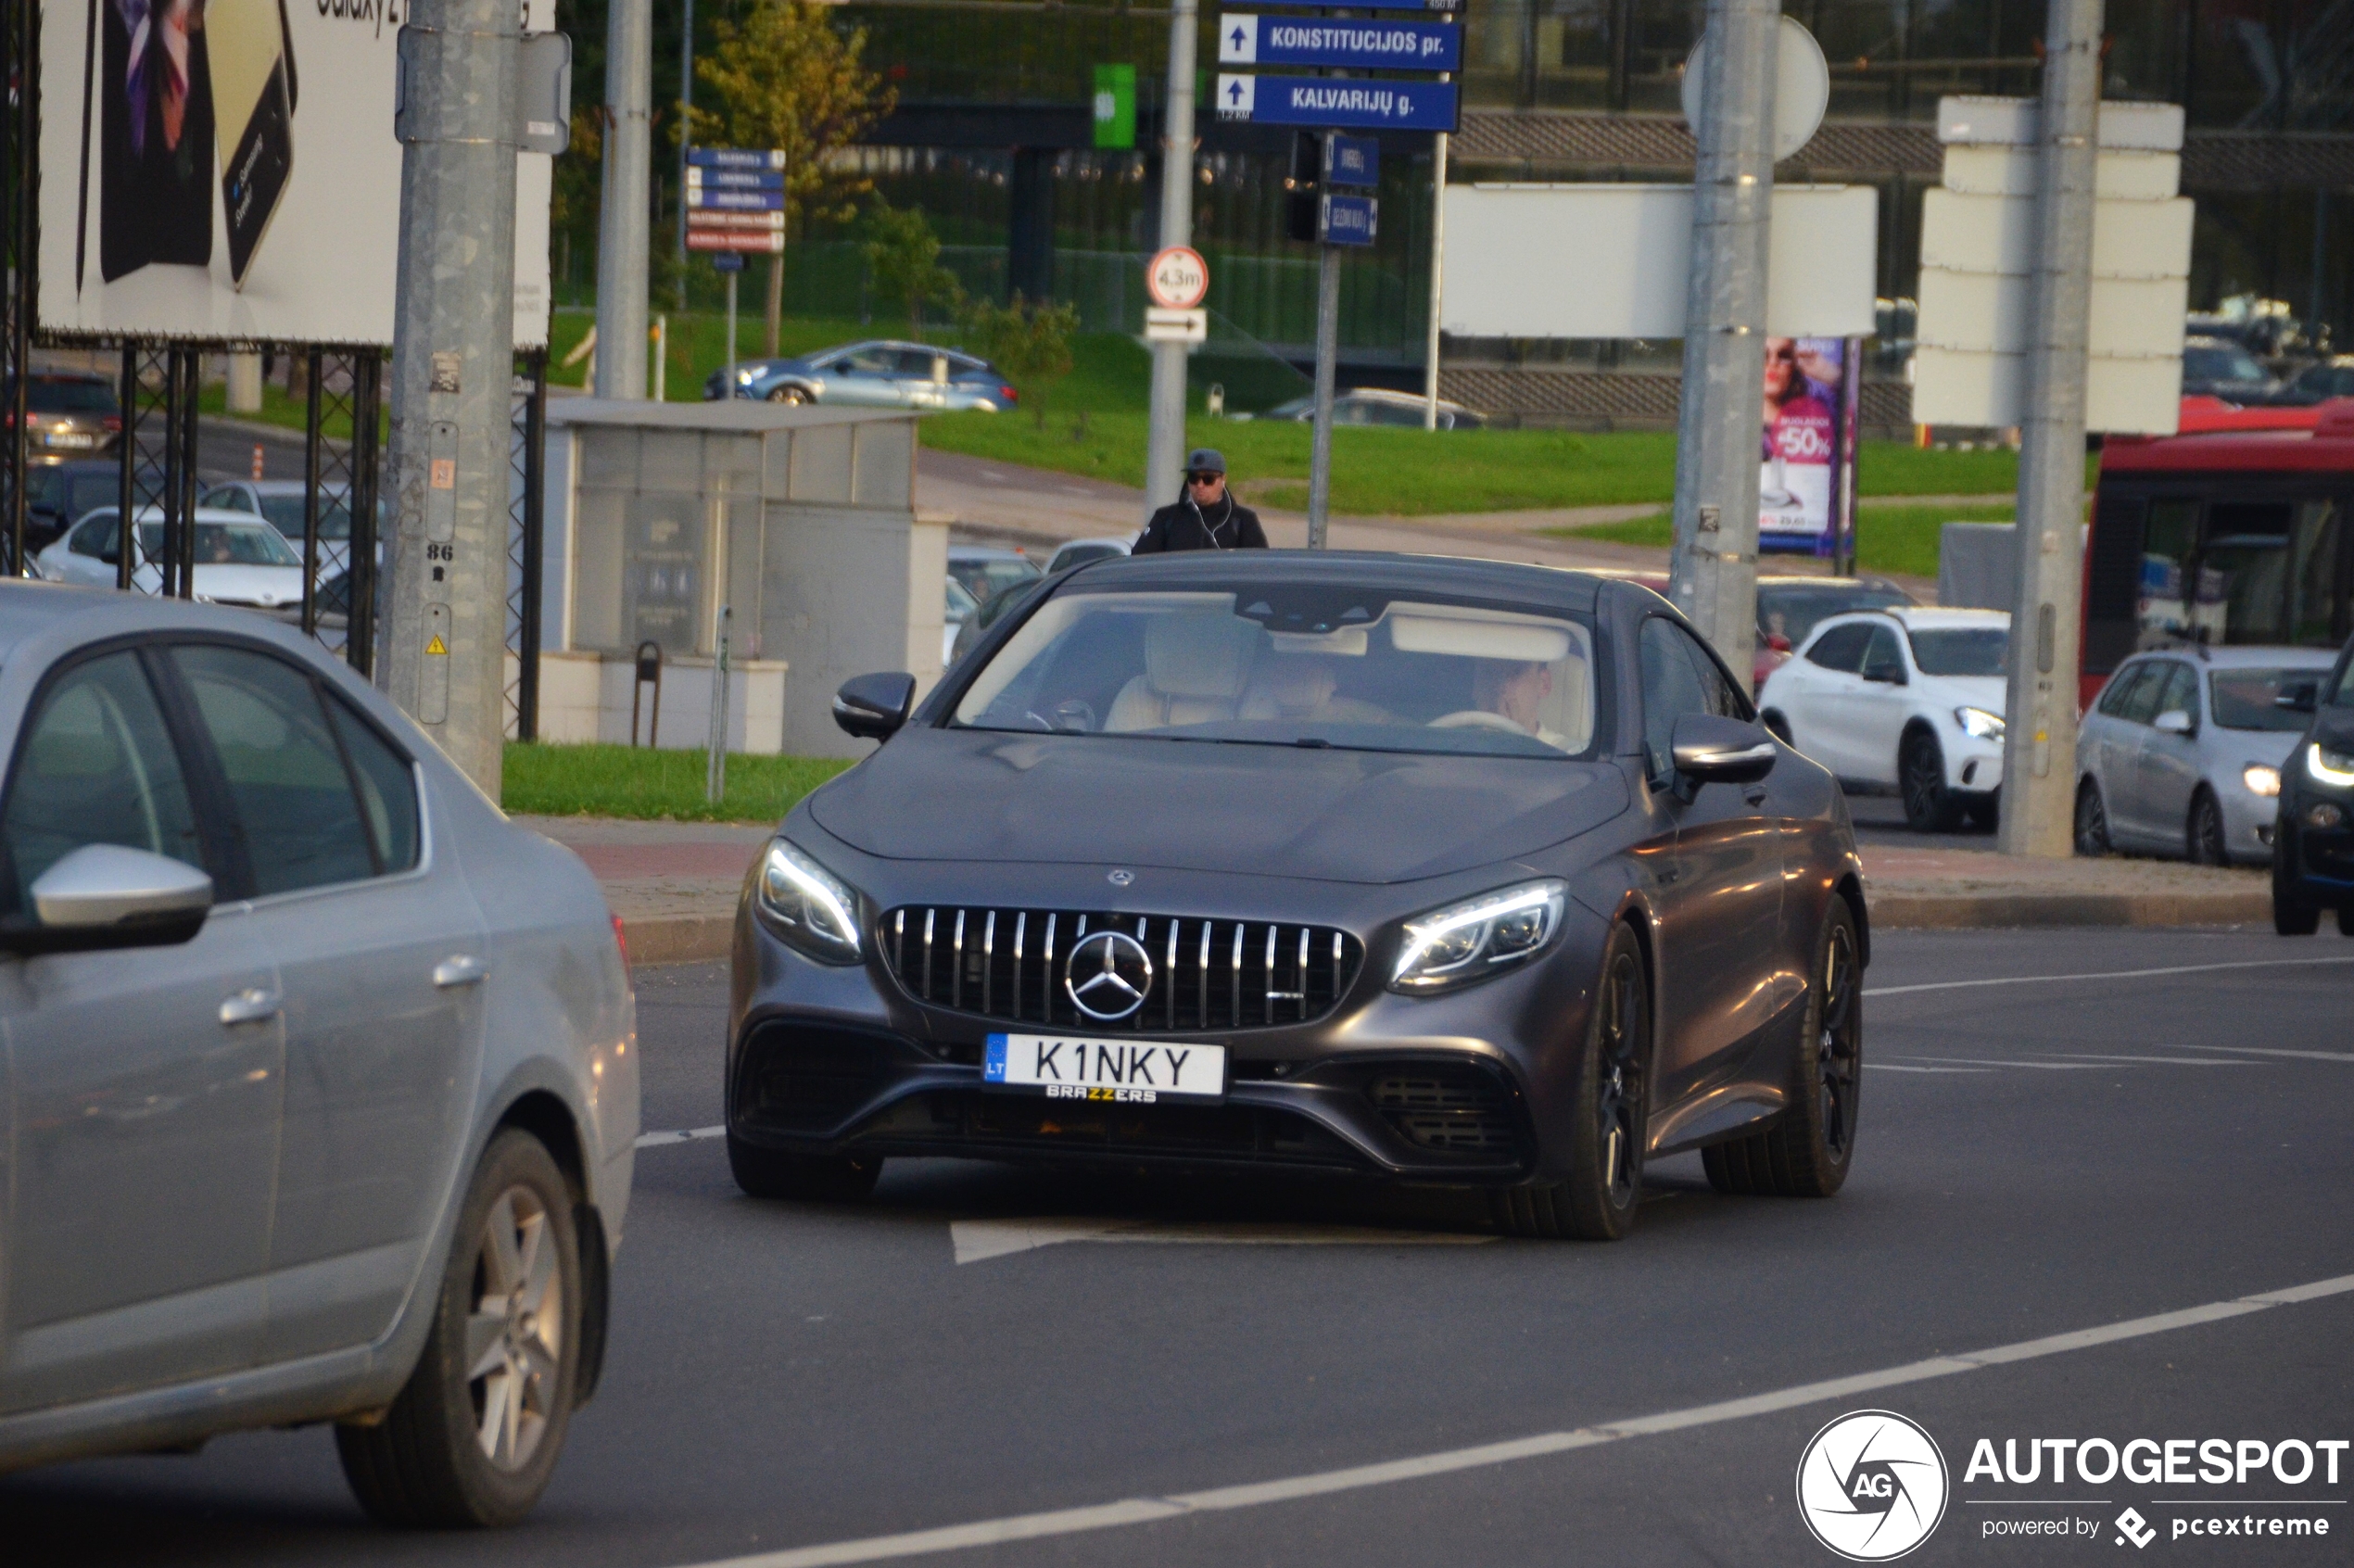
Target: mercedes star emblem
(1121,878)
(1108,975)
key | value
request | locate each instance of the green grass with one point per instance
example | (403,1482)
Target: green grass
(655,786)
(292,414)
(1900,540)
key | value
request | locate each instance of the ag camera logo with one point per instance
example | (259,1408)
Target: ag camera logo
(1872,1486)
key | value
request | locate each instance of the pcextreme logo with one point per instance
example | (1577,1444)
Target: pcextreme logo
(1872,1486)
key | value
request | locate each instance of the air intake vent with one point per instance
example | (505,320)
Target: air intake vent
(1011,963)
(1449,1107)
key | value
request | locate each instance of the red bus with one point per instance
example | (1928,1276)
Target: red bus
(2235,535)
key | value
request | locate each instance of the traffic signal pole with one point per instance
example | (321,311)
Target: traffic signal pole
(623,224)
(1165,448)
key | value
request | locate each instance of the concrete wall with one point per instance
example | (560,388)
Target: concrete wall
(586,697)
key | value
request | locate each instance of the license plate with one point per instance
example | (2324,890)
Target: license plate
(69,439)
(1116,1071)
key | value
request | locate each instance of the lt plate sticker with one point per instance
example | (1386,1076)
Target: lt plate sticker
(1124,1071)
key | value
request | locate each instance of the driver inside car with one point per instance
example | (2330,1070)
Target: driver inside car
(1517,692)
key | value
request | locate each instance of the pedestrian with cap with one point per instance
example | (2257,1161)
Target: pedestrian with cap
(1207,518)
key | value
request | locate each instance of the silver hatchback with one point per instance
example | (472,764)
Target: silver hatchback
(2181,754)
(318,1078)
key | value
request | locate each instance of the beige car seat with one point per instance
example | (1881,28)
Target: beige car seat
(1194,668)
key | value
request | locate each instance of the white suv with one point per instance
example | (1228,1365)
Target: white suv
(1905,696)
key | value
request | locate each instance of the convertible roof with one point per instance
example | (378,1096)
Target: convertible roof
(1504,581)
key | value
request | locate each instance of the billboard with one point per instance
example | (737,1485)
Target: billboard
(1806,473)
(226,171)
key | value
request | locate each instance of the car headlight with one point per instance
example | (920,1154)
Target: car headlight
(2329,767)
(1473,940)
(1979,724)
(746,375)
(807,905)
(2260,780)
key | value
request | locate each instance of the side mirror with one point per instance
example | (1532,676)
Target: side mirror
(105,896)
(1714,750)
(1885,675)
(1778,642)
(2174,721)
(872,707)
(111,556)
(2298,696)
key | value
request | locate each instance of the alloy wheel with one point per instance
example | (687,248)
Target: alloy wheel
(2092,823)
(1923,785)
(2208,847)
(514,1335)
(1618,1108)
(1841,1045)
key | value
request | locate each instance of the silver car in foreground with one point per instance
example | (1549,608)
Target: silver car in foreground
(2182,752)
(318,1078)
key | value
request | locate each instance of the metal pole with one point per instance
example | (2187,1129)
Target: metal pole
(24,173)
(1165,451)
(534,528)
(1438,277)
(367,405)
(715,784)
(622,220)
(661,358)
(685,129)
(444,655)
(730,382)
(2039,770)
(312,443)
(1320,446)
(127,506)
(1713,574)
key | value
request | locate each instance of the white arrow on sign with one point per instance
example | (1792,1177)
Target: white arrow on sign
(1238,44)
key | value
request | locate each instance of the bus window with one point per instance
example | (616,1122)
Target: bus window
(2244,566)
(2166,556)
(2313,572)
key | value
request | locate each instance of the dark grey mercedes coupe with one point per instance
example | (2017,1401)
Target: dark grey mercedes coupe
(1429,870)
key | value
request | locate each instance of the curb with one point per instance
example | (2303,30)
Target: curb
(1950,911)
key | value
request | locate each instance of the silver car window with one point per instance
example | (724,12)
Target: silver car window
(387,787)
(97,767)
(2121,688)
(2182,692)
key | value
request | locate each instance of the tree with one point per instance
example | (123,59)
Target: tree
(905,254)
(1029,343)
(787,79)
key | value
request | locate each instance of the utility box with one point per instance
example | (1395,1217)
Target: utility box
(801,519)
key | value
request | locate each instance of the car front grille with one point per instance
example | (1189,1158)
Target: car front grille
(797,1079)
(1009,964)
(1449,1107)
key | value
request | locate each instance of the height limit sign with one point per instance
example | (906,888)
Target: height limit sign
(1177,280)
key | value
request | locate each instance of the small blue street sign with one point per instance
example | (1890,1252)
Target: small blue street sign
(1345,219)
(737,179)
(1327,40)
(736,201)
(736,157)
(1352,161)
(1441,6)
(728,260)
(1340,103)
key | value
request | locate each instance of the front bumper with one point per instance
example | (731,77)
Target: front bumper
(1455,1089)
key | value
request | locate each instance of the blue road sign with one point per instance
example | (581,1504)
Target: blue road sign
(1352,161)
(1441,6)
(1345,219)
(1339,102)
(735,157)
(1323,41)
(728,260)
(735,201)
(736,179)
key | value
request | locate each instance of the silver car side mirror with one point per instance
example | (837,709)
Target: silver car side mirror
(2174,721)
(106,896)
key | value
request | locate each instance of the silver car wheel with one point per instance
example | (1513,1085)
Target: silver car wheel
(514,1337)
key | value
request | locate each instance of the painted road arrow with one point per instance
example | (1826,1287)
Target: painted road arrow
(1339,103)
(1316,41)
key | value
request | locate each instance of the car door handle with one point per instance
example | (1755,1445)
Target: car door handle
(253,1005)
(463,969)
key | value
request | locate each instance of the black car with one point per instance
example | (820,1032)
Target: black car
(1423,869)
(59,495)
(2318,383)
(2313,836)
(2217,367)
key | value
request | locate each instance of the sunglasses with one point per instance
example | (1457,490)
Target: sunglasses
(1203,477)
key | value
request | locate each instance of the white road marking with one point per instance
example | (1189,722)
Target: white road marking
(979,1240)
(1892,1067)
(1143,1510)
(687,1136)
(2268,1051)
(1993,1062)
(2163,1061)
(2105,974)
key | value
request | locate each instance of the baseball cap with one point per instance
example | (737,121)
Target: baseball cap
(1206,459)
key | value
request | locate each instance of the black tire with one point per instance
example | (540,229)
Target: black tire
(2204,840)
(2091,822)
(788,395)
(1985,813)
(1808,1151)
(1929,806)
(2345,919)
(2291,914)
(1778,727)
(1610,1115)
(425,1465)
(767,1173)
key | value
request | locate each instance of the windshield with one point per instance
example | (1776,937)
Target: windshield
(1960,651)
(2243,699)
(285,513)
(226,544)
(43,396)
(1361,671)
(2203,364)
(1793,612)
(986,578)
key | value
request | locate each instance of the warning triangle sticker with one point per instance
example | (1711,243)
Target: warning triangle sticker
(434,647)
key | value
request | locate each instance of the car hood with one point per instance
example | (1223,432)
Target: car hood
(269,587)
(1989,692)
(1289,810)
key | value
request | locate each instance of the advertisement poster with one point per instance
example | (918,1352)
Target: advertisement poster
(1807,477)
(226,171)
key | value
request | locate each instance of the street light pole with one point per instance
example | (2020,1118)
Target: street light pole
(624,225)
(1712,574)
(1165,448)
(1437,278)
(443,653)
(2039,756)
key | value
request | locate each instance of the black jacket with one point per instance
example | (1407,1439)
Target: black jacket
(1183,525)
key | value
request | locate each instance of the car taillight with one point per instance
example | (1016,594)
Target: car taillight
(1009,394)
(621,939)
(113,423)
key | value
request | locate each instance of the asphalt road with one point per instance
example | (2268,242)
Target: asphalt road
(2037,1159)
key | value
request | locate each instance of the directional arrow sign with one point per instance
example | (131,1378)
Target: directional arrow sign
(734,179)
(1441,6)
(741,201)
(1339,102)
(735,157)
(1316,41)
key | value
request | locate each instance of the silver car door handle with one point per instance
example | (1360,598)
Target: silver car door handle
(463,969)
(252,1004)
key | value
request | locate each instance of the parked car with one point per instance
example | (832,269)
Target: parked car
(2314,833)
(59,495)
(986,572)
(2217,367)
(961,608)
(2318,383)
(1789,605)
(882,374)
(1078,552)
(1375,405)
(2182,753)
(1341,863)
(68,414)
(1905,696)
(348,1136)
(240,560)
(279,502)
